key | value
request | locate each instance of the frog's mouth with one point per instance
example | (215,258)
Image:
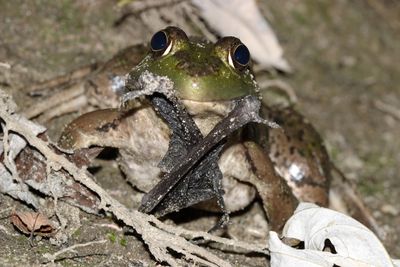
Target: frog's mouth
(147,84)
(205,113)
(219,108)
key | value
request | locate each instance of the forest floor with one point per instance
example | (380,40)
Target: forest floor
(345,56)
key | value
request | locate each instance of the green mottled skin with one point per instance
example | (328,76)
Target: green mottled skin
(200,70)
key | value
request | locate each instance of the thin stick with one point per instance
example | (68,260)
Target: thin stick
(263,249)
(281,86)
(7,161)
(54,101)
(52,257)
(5,210)
(75,75)
(70,106)
(388,109)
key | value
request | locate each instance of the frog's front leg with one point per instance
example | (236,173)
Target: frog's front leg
(139,134)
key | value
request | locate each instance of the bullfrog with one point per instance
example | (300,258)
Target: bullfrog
(282,166)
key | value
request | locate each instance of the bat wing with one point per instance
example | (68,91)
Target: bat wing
(194,175)
(185,133)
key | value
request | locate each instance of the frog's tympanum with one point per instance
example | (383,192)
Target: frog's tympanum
(156,136)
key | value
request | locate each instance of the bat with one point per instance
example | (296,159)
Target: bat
(191,167)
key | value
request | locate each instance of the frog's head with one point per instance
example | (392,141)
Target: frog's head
(201,71)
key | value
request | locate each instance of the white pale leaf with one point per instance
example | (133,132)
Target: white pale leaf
(283,256)
(355,244)
(244,20)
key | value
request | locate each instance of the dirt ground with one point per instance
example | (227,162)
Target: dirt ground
(345,55)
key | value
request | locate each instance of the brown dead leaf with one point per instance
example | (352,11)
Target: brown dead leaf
(33,223)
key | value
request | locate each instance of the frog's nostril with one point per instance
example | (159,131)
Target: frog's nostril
(211,68)
(182,65)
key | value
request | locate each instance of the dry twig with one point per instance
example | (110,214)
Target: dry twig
(53,257)
(388,109)
(53,101)
(282,86)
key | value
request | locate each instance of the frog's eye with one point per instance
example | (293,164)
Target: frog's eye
(160,43)
(239,56)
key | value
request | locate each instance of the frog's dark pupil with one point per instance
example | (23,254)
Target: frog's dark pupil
(159,41)
(241,55)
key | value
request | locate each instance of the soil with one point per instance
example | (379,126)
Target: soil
(345,55)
